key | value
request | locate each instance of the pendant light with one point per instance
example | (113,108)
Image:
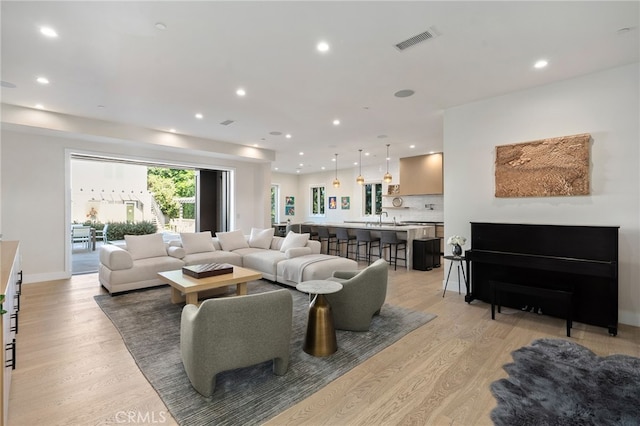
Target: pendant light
(336,182)
(387,176)
(360,179)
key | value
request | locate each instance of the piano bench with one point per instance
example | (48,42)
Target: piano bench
(565,297)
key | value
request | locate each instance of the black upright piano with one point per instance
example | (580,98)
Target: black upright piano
(582,260)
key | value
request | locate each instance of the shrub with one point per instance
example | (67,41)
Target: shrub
(117,230)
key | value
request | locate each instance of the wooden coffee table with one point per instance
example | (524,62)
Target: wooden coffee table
(190,287)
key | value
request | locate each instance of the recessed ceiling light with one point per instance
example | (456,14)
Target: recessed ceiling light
(275,168)
(48,31)
(288,136)
(541,64)
(172,130)
(366,154)
(404,93)
(322,46)
(42,80)
(199,116)
(333,159)
(336,122)
(412,146)
(297,170)
(322,168)
(256,145)
(301,164)
(241,92)
(301,153)
(161,26)
(39,106)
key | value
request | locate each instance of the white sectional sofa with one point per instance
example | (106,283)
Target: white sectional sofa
(287,260)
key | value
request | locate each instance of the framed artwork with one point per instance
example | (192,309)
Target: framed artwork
(289,211)
(346,203)
(393,189)
(544,168)
(333,201)
(290,201)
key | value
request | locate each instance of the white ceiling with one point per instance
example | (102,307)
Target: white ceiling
(110,62)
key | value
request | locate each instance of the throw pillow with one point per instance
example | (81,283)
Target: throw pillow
(197,242)
(261,238)
(293,240)
(145,246)
(297,251)
(232,240)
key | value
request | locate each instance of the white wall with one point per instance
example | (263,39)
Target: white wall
(35,187)
(604,104)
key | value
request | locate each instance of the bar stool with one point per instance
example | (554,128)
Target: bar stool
(306,229)
(363,236)
(343,236)
(390,239)
(324,234)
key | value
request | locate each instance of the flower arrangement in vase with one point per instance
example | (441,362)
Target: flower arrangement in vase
(457,242)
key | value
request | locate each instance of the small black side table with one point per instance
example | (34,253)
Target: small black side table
(458,261)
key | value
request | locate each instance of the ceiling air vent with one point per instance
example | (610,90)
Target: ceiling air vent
(227,122)
(429,34)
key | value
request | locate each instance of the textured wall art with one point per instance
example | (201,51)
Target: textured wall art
(544,168)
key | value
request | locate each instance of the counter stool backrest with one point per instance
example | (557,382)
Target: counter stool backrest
(390,237)
(363,235)
(343,234)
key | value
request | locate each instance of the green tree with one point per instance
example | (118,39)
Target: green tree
(169,184)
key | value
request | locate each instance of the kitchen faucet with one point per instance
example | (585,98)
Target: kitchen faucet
(385,213)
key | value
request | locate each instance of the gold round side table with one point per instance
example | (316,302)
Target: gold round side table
(320,339)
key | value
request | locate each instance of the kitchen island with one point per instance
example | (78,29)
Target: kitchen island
(404,231)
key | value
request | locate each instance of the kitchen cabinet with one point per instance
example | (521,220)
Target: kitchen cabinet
(421,175)
(10,286)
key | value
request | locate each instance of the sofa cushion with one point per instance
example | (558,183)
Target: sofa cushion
(264,261)
(232,240)
(197,242)
(261,238)
(217,256)
(293,240)
(145,246)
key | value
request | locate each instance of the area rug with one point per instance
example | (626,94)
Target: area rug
(558,382)
(150,327)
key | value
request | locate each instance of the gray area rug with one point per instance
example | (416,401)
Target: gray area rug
(558,382)
(150,327)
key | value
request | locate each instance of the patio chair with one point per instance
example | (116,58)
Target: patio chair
(81,234)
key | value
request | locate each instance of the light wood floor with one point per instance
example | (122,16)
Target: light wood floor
(73,368)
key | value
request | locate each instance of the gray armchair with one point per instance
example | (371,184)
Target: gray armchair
(362,295)
(234,332)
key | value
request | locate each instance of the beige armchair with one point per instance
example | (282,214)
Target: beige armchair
(363,294)
(235,332)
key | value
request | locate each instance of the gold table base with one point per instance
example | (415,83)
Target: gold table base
(321,335)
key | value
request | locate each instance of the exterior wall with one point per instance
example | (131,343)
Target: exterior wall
(604,104)
(107,187)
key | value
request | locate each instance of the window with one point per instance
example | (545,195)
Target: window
(317,201)
(372,198)
(275,211)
